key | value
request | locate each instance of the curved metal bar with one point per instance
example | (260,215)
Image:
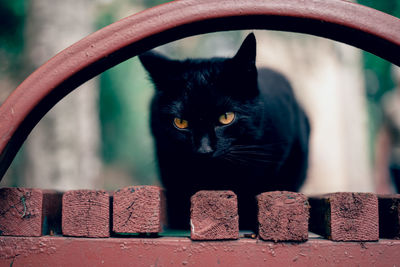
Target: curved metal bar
(363,27)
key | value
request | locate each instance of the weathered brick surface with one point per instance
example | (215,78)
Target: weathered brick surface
(283,216)
(29,212)
(86,213)
(389,216)
(214,215)
(345,216)
(21,211)
(138,209)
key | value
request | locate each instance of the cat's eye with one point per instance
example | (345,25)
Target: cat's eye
(180,123)
(226,118)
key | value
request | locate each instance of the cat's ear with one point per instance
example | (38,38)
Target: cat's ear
(158,66)
(244,66)
(246,55)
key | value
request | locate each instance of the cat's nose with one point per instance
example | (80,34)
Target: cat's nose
(205,146)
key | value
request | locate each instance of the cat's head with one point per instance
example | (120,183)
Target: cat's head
(205,106)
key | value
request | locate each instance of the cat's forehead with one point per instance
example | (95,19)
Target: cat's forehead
(202,73)
(203,104)
(201,82)
(202,89)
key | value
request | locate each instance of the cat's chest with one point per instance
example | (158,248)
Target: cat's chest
(215,172)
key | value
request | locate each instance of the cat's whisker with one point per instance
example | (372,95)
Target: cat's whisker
(237,161)
(259,147)
(250,158)
(249,152)
(253,151)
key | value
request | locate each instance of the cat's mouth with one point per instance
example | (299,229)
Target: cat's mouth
(214,155)
(210,155)
(205,156)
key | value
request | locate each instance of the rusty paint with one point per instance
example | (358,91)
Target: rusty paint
(167,251)
(360,26)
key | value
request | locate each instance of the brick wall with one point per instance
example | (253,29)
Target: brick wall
(30,217)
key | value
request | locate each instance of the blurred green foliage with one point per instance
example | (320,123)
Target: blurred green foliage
(12,21)
(124,105)
(124,101)
(382,82)
(377,71)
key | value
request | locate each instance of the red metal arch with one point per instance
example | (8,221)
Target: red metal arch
(363,27)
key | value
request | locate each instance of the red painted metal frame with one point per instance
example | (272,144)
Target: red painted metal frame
(363,27)
(175,251)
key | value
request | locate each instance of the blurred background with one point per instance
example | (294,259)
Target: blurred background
(99,136)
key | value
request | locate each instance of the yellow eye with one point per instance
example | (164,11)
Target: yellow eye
(226,118)
(180,123)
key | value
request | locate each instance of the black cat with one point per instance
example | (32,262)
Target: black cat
(221,124)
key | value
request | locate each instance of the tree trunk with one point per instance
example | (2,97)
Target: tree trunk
(62,150)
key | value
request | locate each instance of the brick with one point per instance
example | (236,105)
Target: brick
(345,216)
(139,209)
(86,213)
(283,216)
(389,216)
(214,215)
(29,212)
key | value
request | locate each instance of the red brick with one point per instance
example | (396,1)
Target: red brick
(86,213)
(283,216)
(389,216)
(21,211)
(214,215)
(138,209)
(345,216)
(29,212)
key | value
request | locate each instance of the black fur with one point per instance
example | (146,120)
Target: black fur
(265,148)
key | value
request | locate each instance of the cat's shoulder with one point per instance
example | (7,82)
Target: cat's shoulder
(269,80)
